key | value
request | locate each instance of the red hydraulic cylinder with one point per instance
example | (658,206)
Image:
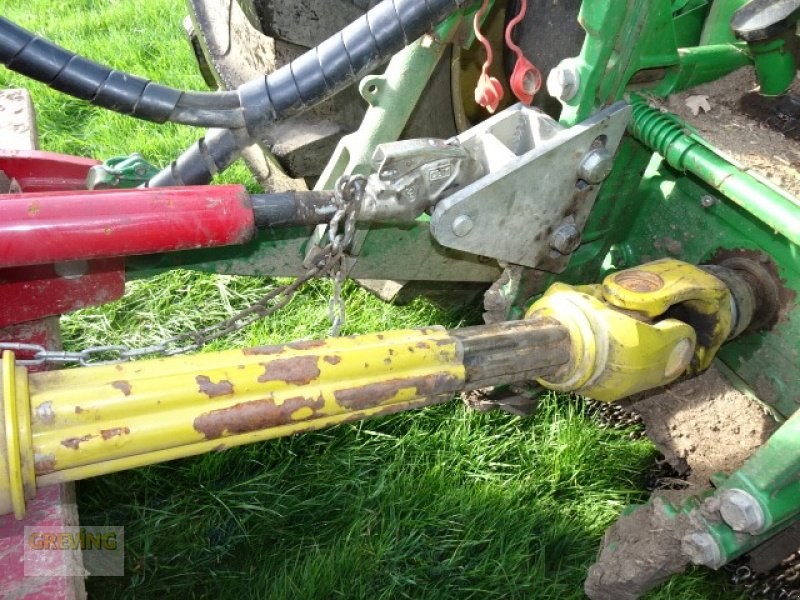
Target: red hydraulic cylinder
(39,228)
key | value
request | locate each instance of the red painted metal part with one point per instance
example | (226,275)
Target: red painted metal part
(53,506)
(80,225)
(42,332)
(38,291)
(39,171)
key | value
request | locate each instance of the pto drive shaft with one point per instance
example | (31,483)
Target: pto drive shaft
(605,341)
(74,424)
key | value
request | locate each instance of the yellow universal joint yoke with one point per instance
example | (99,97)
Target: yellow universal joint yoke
(642,328)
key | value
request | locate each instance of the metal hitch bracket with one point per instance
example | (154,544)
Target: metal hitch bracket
(541,183)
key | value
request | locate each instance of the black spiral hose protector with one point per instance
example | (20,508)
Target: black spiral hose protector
(65,71)
(311,78)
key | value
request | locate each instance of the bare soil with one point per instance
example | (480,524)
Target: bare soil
(640,551)
(748,141)
(704,426)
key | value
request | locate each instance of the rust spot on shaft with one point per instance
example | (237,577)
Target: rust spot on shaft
(264,350)
(109,433)
(123,386)
(44,466)
(213,390)
(78,410)
(75,442)
(44,413)
(253,416)
(332,360)
(281,348)
(306,344)
(374,394)
(299,370)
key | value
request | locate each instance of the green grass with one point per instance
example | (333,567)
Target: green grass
(441,503)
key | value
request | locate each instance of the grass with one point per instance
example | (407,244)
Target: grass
(441,503)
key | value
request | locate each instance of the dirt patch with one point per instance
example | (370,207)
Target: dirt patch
(704,426)
(748,141)
(640,551)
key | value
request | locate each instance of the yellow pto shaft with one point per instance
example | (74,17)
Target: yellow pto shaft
(73,424)
(606,342)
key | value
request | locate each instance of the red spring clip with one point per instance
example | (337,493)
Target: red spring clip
(489,91)
(526,79)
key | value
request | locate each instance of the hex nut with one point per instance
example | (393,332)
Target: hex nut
(563,81)
(566,239)
(596,165)
(702,549)
(742,511)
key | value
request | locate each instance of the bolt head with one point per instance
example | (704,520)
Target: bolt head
(563,81)
(462,225)
(566,239)
(596,165)
(702,549)
(742,511)
(708,201)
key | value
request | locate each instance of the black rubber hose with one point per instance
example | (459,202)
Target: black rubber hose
(65,71)
(311,78)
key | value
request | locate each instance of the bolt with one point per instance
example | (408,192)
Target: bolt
(563,81)
(566,239)
(73,269)
(742,511)
(596,165)
(462,225)
(708,201)
(702,549)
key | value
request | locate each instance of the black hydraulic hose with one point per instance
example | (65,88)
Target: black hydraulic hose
(65,71)
(311,78)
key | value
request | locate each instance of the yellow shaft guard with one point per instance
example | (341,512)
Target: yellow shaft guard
(86,422)
(619,347)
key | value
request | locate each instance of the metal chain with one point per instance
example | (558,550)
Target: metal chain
(348,193)
(329,261)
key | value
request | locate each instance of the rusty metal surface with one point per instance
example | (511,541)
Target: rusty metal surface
(512,351)
(104,414)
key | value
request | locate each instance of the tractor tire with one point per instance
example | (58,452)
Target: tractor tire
(236,40)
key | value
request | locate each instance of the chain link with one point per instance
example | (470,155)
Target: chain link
(329,262)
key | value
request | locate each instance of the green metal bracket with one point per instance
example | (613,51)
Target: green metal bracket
(775,66)
(120,172)
(644,44)
(764,490)
(392,97)
(772,476)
